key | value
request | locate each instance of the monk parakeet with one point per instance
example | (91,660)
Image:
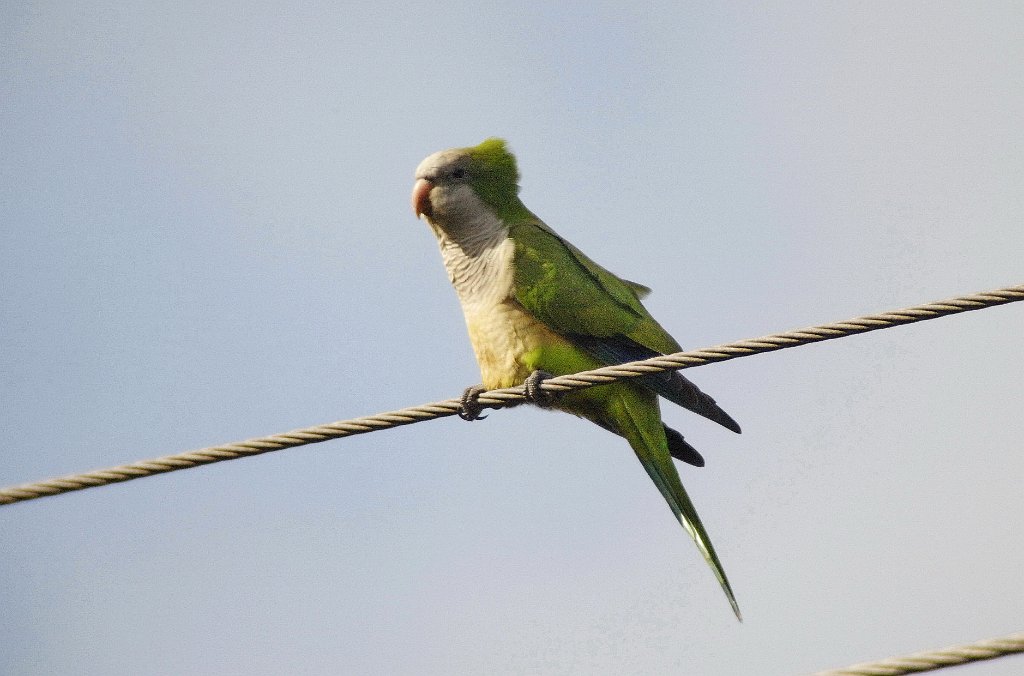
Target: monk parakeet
(534,304)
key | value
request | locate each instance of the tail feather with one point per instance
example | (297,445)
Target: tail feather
(680,448)
(675,387)
(639,421)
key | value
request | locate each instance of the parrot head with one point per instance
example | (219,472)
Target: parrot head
(452,185)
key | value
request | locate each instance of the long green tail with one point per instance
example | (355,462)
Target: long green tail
(637,419)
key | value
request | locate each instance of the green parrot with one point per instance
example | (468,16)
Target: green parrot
(535,305)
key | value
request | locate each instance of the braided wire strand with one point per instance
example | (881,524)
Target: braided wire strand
(507,397)
(935,659)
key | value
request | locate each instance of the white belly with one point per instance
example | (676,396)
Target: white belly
(503,336)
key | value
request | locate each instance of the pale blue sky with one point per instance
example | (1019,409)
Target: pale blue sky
(205,235)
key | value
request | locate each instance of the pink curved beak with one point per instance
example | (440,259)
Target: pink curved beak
(421,197)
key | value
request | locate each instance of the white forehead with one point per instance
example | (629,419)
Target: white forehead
(439,159)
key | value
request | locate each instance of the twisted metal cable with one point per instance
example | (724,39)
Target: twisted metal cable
(511,396)
(935,659)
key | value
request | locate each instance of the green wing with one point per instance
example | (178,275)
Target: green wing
(573,295)
(598,312)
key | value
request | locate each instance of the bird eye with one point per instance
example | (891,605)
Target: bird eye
(459,174)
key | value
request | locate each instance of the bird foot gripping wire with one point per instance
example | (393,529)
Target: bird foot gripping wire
(470,406)
(535,394)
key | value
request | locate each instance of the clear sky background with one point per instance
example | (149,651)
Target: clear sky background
(205,235)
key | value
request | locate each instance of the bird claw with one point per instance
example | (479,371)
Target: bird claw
(470,406)
(535,394)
